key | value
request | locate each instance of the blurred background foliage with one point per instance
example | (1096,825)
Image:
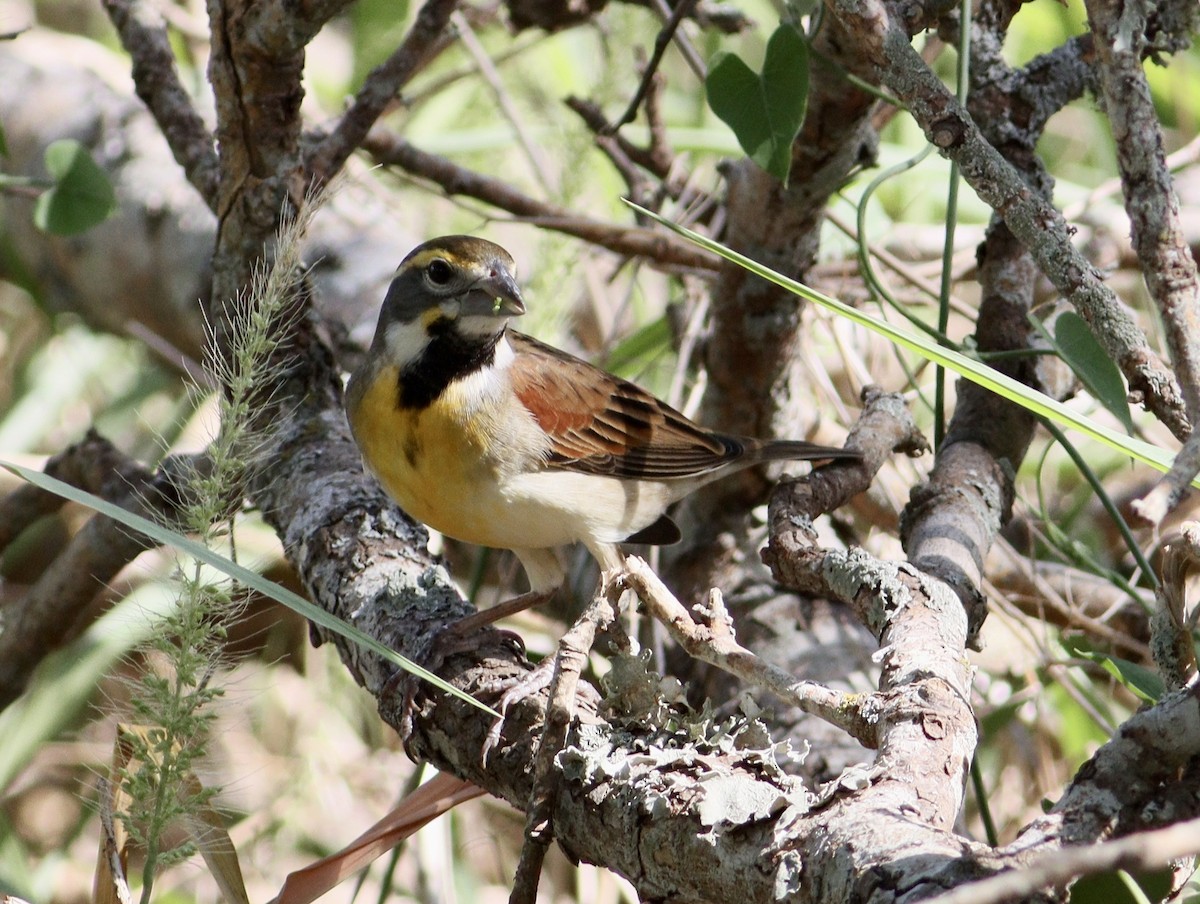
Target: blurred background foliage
(300,756)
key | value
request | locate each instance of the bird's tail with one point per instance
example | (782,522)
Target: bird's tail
(793,450)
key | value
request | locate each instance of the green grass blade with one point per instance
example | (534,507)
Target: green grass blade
(968,368)
(239,573)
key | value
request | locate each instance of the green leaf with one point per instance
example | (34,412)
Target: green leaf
(81,197)
(3,142)
(239,573)
(1145,683)
(1076,344)
(764,111)
(969,368)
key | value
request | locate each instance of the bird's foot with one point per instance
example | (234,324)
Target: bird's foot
(457,638)
(560,673)
(528,685)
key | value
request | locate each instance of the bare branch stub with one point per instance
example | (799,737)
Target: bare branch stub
(885,427)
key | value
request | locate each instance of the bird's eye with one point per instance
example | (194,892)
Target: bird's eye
(439,272)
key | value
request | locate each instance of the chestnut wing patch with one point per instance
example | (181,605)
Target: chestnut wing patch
(601,424)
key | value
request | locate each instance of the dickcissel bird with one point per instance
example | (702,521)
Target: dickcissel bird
(490,436)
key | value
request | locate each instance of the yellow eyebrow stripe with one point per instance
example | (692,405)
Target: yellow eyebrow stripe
(429,255)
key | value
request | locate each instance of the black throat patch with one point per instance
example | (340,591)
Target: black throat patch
(448,357)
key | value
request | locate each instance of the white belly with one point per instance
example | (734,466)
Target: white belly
(553,507)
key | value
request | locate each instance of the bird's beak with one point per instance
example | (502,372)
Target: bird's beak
(496,295)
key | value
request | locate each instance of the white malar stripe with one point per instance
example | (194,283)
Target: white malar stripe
(405,342)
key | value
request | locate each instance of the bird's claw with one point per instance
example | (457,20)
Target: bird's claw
(526,686)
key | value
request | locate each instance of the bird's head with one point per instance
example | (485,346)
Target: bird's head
(457,283)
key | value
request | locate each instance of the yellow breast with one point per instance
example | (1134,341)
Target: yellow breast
(438,462)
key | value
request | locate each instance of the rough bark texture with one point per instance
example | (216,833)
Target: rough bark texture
(686,818)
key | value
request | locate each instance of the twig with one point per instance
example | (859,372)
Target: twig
(629,159)
(1016,579)
(573,649)
(1188,155)
(690,56)
(1054,869)
(109,864)
(144,37)
(712,641)
(380,88)
(656,247)
(538,163)
(432,87)
(1173,486)
(661,42)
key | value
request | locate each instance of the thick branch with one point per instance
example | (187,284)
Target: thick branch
(1143,777)
(56,608)
(1153,207)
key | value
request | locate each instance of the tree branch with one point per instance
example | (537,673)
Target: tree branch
(144,37)
(1165,259)
(1055,869)
(379,89)
(658,248)
(56,608)
(1036,223)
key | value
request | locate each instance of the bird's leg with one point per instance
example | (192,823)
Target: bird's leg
(559,672)
(509,607)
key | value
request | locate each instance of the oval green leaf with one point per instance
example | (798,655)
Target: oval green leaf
(1078,347)
(82,195)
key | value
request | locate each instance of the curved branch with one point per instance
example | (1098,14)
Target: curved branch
(144,37)
(379,90)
